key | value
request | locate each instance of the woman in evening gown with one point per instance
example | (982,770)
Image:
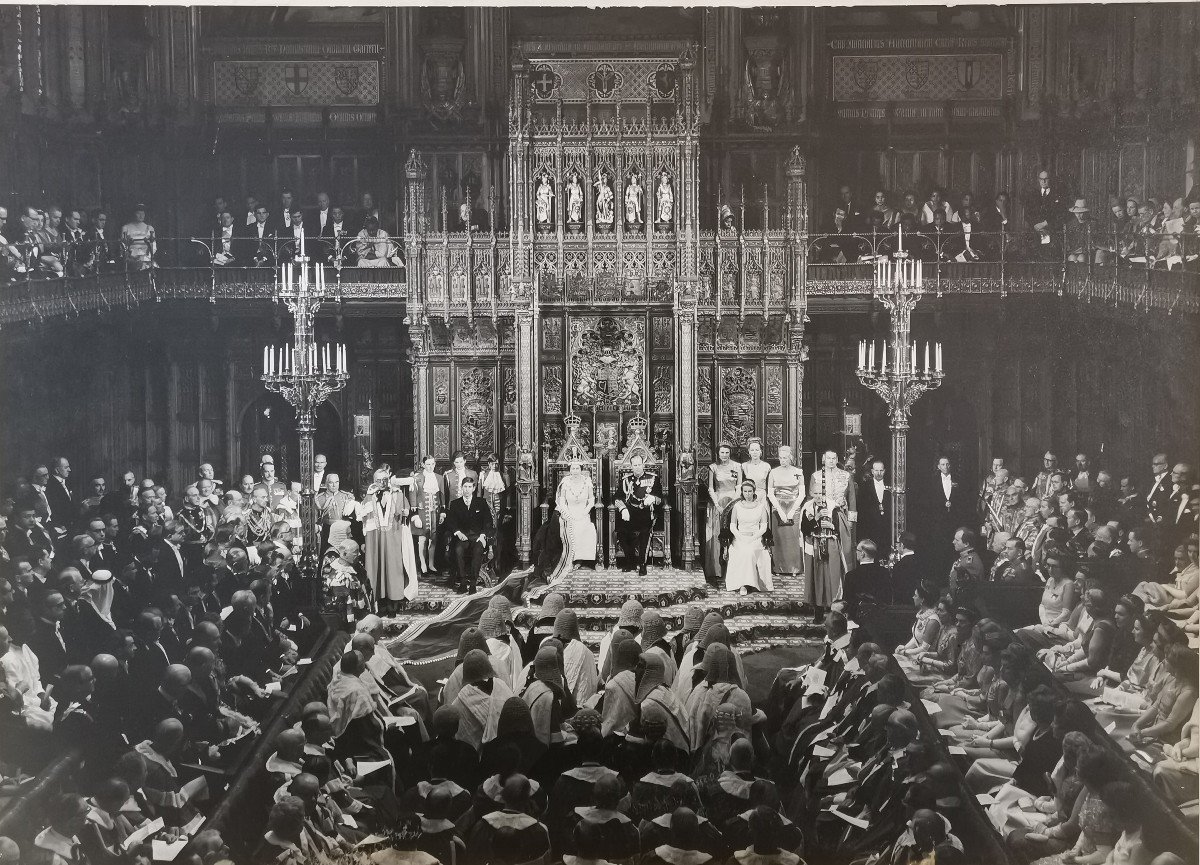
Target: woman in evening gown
(785,494)
(749,565)
(575,501)
(756,468)
(723,478)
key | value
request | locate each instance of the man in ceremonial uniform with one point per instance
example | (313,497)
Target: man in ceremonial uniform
(990,485)
(334,505)
(275,489)
(641,495)
(199,526)
(968,567)
(1011,566)
(1041,484)
(1004,512)
(259,520)
(1031,521)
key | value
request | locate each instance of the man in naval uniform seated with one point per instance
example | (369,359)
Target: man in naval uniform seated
(640,497)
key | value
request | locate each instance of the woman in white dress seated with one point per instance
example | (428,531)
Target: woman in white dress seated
(575,501)
(748,534)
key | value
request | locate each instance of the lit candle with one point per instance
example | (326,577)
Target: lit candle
(912,363)
(919,275)
(871,358)
(926,357)
(266,366)
(900,245)
(862,350)
(939,357)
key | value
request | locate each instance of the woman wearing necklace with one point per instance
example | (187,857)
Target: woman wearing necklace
(756,468)
(575,501)
(749,565)
(785,493)
(829,517)
(724,476)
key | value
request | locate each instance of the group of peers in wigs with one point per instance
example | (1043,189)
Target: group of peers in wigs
(764,523)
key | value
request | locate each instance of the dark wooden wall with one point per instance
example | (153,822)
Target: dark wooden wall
(1022,376)
(163,391)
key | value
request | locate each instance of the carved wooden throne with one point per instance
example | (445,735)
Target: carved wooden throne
(637,444)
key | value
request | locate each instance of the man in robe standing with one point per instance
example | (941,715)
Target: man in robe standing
(391,562)
(828,520)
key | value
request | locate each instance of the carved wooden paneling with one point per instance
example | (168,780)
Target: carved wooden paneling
(739,389)
(509,392)
(552,333)
(552,389)
(704,390)
(441,441)
(441,391)
(774,438)
(663,389)
(662,332)
(774,390)
(476,410)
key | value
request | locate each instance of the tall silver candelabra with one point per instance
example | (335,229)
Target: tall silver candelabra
(305,374)
(899,378)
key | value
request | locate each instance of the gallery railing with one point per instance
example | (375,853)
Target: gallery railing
(740,273)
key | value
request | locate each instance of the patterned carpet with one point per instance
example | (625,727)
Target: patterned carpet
(769,629)
(756,622)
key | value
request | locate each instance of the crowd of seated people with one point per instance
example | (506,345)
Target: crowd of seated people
(55,242)
(159,651)
(1162,233)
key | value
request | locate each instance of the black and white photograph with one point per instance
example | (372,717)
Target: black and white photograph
(600,435)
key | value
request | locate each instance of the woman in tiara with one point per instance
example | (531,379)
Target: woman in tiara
(575,501)
(749,535)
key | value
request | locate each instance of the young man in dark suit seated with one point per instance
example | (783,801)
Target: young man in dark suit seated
(469,523)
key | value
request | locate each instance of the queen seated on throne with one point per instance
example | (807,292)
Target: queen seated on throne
(575,502)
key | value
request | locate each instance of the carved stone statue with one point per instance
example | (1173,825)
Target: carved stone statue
(633,201)
(544,201)
(666,199)
(574,199)
(604,199)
